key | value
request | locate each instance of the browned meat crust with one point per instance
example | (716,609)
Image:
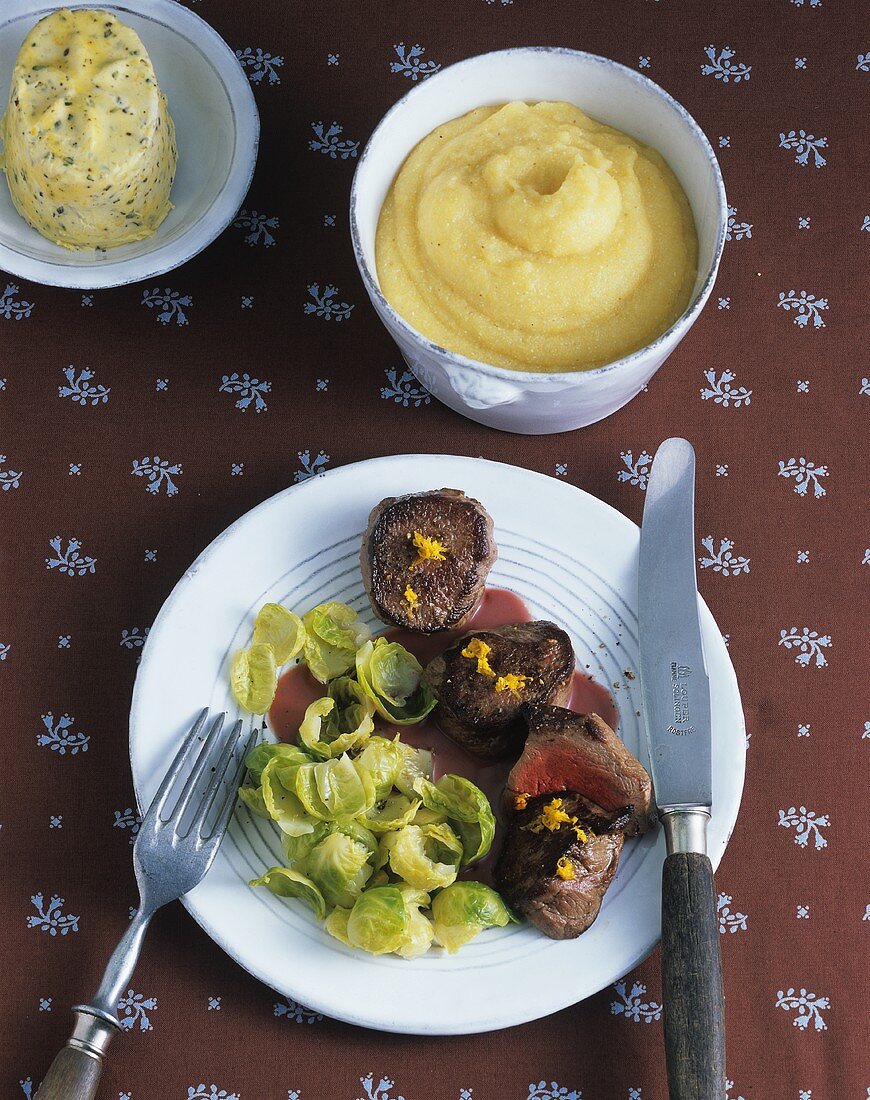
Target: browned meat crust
(526,871)
(447,590)
(488,722)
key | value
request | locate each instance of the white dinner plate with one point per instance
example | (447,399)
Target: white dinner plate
(217,129)
(573,560)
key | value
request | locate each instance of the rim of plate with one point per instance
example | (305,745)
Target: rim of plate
(202,36)
(510,1012)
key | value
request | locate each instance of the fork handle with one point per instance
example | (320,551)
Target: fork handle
(75,1072)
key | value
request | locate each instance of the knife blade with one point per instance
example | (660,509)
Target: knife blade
(677,715)
(674,683)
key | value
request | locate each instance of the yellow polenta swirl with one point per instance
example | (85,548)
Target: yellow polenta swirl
(532,237)
(89,146)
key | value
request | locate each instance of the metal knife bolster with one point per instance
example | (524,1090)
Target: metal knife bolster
(685,828)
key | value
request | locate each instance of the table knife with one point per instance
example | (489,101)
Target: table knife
(676,703)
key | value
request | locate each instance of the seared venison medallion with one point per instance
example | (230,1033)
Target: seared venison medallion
(559,855)
(580,752)
(425,558)
(484,681)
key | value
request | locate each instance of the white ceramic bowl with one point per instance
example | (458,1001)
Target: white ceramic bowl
(217,128)
(520,401)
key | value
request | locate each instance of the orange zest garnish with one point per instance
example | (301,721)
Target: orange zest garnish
(512,683)
(427,549)
(478,650)
(521,801)
(565,869)
(580,834)
(552,817)
(412,598)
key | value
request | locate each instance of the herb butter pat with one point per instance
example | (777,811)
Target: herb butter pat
(88,144)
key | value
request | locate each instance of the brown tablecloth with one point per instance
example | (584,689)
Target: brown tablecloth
(221,372)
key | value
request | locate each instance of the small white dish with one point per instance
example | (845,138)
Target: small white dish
(573,560)
(521,401)
(217,129)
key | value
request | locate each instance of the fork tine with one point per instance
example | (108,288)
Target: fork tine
(177,765)
(209,792)
(226,810)
(192,781)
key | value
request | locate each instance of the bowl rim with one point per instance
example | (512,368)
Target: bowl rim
(107,273)
(674,332)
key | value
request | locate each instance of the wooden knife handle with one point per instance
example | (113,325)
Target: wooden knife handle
(73,1075)
(692,980)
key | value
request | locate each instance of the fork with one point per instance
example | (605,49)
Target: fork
(177,841)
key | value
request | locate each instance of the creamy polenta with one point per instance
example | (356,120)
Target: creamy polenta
(88,143)
(532,237)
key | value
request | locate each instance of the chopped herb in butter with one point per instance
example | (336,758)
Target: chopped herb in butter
(69,158)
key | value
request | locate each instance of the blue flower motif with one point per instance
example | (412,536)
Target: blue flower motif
(260,64)
(636,472)
(804,145)
(258,226)
(51,918)
(325,304)
(721,392)
(9,479)
(70,561)
(729,921)
(736,230)
(632,1006)
(292,1010)
(310,467)
(158,472)
(378,1090)
(723,560)
(60,737)
(808,1007)
(80,390)
(133,1009)
(134,638)
(410,63)
(404,389)
(12,309)
(805,474)
(807,307)
(551,1091)
(721,66)
(170,305)
(250,390)
(809,643)
(128,819)
(327,140)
